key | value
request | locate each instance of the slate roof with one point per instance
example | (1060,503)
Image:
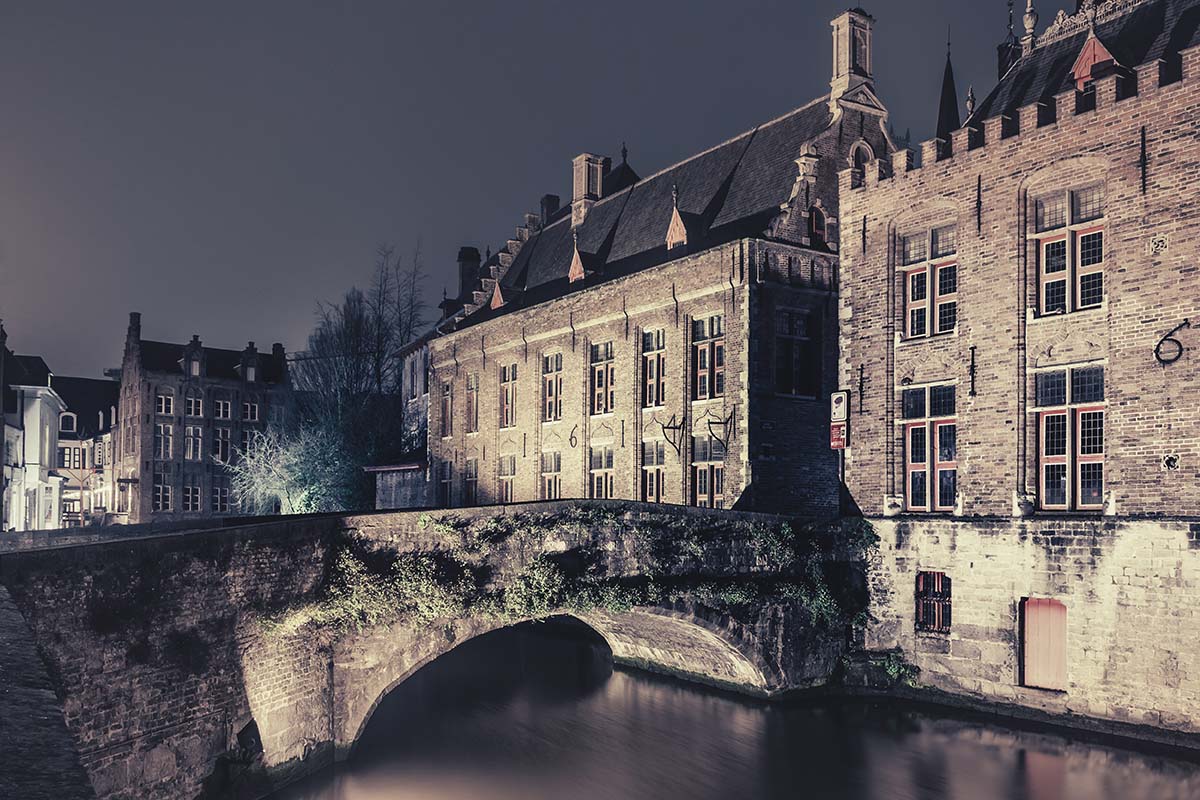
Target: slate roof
(21,371)
(87,398)
(1157,30)
(218,363)
(728,191)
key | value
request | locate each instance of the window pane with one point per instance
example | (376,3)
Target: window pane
(1054,256)
(1051,389)
(1054,490)
(917,487)
(947,436)
(1087,204)
(947,487)
(913,403)
(1091,289)
(944,240)
(916,445)
(1091,249)
(912,248)
(916,322)
(1056,297)
(1087,385)
(1091,484)
(1051,212)
(917,288)
(1054,435)
(941,401)
(1091,433)
(947,317)
(948,279)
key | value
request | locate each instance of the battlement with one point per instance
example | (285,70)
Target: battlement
(1068,109)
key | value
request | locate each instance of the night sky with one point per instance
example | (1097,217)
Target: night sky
(222,166)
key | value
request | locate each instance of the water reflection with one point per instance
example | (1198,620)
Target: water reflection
(538,712)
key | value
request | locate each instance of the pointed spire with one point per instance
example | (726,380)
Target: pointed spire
(675,195)
(1012,37)
(624,154)
(948,119)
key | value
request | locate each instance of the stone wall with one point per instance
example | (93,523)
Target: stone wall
(1132,596)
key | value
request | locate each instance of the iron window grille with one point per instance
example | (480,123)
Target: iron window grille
(933,602)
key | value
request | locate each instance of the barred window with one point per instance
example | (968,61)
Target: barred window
(933,602)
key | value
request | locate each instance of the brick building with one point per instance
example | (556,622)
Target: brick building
(184,408)
(1015,302)
(668,338)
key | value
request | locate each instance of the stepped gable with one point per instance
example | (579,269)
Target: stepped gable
(1148,32)
(729,191)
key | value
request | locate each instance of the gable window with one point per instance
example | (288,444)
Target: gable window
(163,434)
(551,475)
(816,226)
(1069,234)
(191,443)
(933,602)
(472,402)
(446,410)
(507,474)
(930,448)
(708,472)
(930,268)
(471,482)
(654,365)
(604,376)
(66,423)
(194,368)
(1070,438)
(193,404)
(164,403)
(798,353)
(654,457)
(552,383)
(600,473)
(708,357)
(445,481)
(508,395)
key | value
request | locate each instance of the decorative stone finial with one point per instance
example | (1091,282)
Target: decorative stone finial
(624,154)
(1010,19)
(675,195)
(1031,18)
(970,100)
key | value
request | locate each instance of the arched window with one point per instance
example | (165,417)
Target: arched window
(66,423)
(816,225)
(861,155)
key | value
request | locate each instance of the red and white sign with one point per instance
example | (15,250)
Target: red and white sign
(837,435)
(839,419)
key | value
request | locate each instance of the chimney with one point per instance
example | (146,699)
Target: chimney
(468,270)
(280,357)
(588,171)
(133,336)
(550,205)
(852,32)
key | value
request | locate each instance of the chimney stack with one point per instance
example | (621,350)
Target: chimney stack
(468,270)
(588,171)
(550,205)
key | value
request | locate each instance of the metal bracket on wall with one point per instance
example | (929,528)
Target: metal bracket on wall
(525,342)
(971,370)
(862,383)
(676,300)
(673,433)
(571,322)
(727,427)
(625,311)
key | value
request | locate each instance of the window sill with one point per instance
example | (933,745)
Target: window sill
(1033,316)
(605,415)
(551,421)
(912,341)
(716,399)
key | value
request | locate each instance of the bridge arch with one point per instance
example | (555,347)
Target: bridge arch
(676,640)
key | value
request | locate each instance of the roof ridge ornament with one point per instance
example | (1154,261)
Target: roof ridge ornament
(1089,14)
(1031,20)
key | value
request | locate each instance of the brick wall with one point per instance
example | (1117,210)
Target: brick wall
(1132,596)
(1152,284)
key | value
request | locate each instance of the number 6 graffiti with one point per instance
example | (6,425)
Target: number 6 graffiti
(1173,349)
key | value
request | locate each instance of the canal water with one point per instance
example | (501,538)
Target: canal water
(538,712)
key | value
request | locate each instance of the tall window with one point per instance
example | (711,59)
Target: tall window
(600,473)
(163,434)
(552,384)
(191,498)
(708,357)
(160,498)
(708,472)
(193,403)
(798,353)
(933,602)
(654,457)
(508,395)
(1069,231)
(930,448)
(220,447)
(250,412)
(930,269)
(507,475)
(220,496)
(192,439)
(654,364)
(1071,438)
(445,473)
(551,475)
(472,402)
(816,226)
(604,374)
(412,377)
(164,403)
(446,410)
(222,409)
(471,482)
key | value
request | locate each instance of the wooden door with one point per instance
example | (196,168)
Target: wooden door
(1045,643)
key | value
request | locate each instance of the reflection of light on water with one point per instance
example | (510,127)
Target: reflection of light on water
(526,718)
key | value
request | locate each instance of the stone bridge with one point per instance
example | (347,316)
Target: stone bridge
(147,664)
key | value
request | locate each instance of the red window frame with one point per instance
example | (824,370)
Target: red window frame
(1092,269)
(939,466)
(1046,460)
(708,359)
(1045,278)
(931,466)
(1072,459)
(933,602)
(1090,458)
(912,466)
